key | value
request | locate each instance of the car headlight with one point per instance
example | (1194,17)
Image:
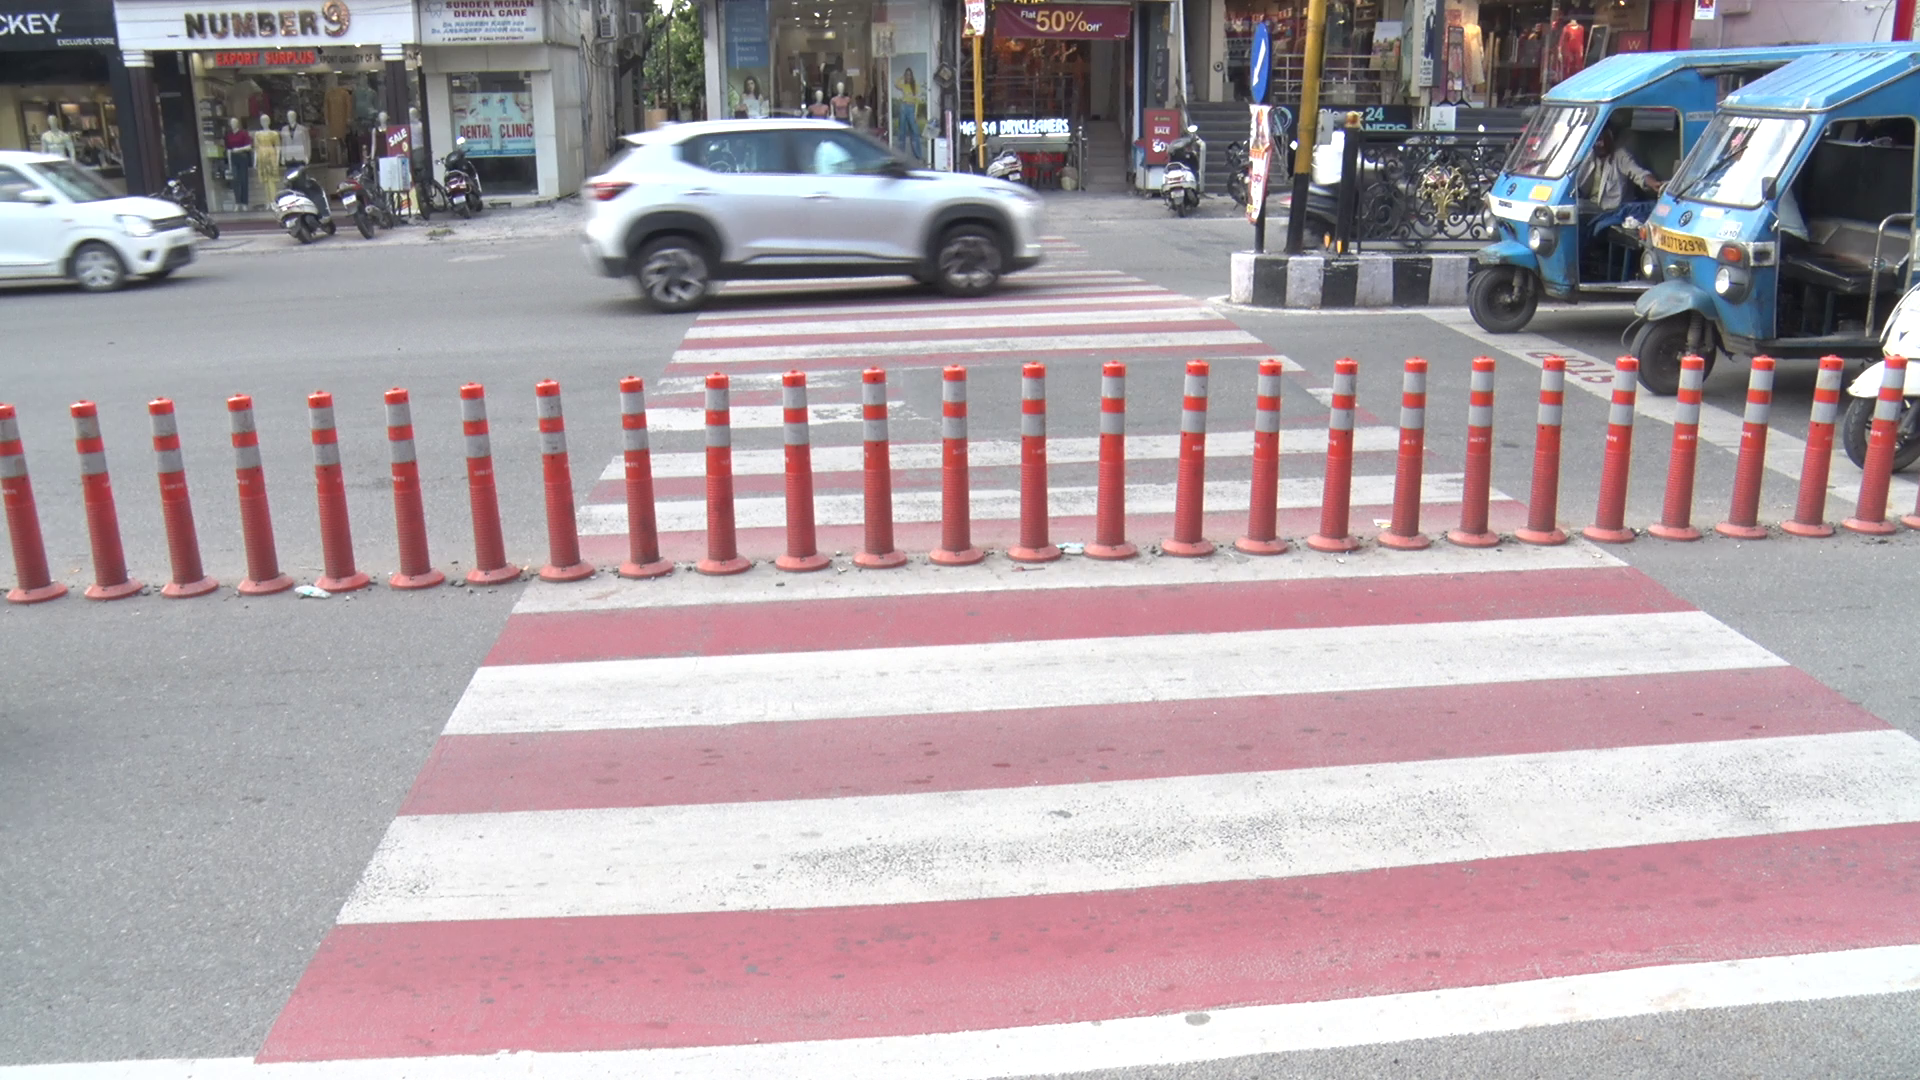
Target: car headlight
(1542,240)
(134,224)
(1731,284)
(1650,266)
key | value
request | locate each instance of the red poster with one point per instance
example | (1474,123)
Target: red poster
(398,141)
(1096,22)
(1163,126)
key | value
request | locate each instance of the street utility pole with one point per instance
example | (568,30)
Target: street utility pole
(1309,120)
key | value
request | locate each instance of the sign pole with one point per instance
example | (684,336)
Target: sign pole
(1309,120)
(1260,138)
(979,106)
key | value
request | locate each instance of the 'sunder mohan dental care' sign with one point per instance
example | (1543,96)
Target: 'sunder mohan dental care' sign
(480,22)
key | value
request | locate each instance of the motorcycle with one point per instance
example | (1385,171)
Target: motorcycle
(1901,338)
(183,191)
(360,194)
(1182,186)
(1006,167)
(463,180)
(1239,171)
(302,206)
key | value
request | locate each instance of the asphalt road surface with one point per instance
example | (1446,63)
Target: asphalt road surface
(191,791)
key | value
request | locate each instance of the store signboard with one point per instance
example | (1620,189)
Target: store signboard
(245,24)
(481,22)
(1163,126)
(1078,22)
(976,17)
(746,33)
(1259,159)
(495,123)
(1705,9)
(1023,127)
(54,24)
(266,58)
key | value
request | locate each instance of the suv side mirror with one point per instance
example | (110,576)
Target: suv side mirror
(37,196)
(1769,188)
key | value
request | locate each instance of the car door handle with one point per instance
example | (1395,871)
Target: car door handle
(819,195)
(699,191)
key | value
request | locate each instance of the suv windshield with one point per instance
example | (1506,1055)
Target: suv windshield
(76,183)
(1733,157)
(1552,141)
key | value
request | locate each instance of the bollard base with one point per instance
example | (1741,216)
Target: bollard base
(575,572)
(796,564)
(417,581)
(1801,528)
(1121,550)
(1333,545)
(344,584)
(1250,546)
(1740,532)
(496,576)
(1676,533)
(886,560)
(1600,534)
(113,592)
(1399,542)
(966,557)
(723,567)
(1186,549)
(1541,537)
(51,591)
(1868,528)
(192,588)
(1033,555)
(250,587)
(1911,521)
(1460,538)
(641,571)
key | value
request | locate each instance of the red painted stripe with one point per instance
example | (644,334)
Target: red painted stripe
(1092,324)
(730,978)
(1222,527)
(824,759)
(1043,614)
(974,360)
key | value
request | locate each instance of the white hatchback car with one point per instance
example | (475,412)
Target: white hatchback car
(60,220)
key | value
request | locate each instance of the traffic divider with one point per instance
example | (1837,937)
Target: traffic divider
(956,486)
(1543,504)
(490,566)
(1263,504)
(256,516)
(877,481)
(1609,517)
(723,553)
(1876,473)
(409,514)
(1110,494)
(33,584)
(1403,531)
(1676,512)
(1034,546)
(1336,492)
(1816,468)
(563,530)
(1743,522)
(1190,483)
(110,578)
(803,553)
(1476,490)
(330,491)
(176,507)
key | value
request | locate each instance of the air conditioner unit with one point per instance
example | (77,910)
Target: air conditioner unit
(636,23)
(605,27)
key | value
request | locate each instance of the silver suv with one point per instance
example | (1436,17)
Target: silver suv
(683,206)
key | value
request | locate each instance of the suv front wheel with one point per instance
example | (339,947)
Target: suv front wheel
(968,261)
(673,274)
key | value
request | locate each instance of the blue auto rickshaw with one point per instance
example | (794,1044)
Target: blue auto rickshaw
(1788,230)
(1654,106)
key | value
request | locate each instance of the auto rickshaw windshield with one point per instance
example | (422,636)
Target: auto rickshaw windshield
(1735,156)
(1551,144)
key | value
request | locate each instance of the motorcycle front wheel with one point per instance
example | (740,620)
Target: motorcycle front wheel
(206,227)
(363,222)
(301,231)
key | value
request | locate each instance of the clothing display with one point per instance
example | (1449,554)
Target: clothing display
(57,142)
(239,167)
(338,111)
(266,157)
(245,98)
(296,146)
(842,107)
(861,117)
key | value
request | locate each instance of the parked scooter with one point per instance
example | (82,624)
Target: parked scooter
(183,190)
(1182,186)
(303,208)
(463,180)
(1007,167)
(360,194)
(1902,338)
(1239,171)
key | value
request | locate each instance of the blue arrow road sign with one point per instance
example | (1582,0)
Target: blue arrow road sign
(1261,62)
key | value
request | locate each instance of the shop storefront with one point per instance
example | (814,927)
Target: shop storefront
(1356,72)
(497,74)
(872,64)
(245,94)
(62,86)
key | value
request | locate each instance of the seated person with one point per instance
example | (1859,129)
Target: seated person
(1603,183)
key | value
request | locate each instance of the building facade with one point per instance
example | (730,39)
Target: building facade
(63,86)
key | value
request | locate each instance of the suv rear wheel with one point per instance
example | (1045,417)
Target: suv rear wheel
(673,274)
(968,261)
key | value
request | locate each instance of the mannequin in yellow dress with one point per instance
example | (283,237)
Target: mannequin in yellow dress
(266,159)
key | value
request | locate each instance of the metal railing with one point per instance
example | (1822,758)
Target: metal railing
(1421,190)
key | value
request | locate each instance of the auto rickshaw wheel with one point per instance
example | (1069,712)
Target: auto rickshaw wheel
(1659,346)
(1503,298)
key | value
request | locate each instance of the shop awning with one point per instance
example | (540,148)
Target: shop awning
(1086,22)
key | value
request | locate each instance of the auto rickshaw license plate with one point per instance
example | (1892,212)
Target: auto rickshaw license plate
(1679,243)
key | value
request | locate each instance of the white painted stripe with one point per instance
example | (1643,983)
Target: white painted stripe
(779,687)
(1134,1042)
(1081,296)
(1011,347)
(983,454)
(815,284)
(746,382)
(997,574)
(678,418)
(849,508)
(890,323)
(1718,427)
(880,850)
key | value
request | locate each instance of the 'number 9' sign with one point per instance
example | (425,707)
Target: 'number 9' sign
(338,18)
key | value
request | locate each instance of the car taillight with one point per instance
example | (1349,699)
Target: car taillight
(607,190)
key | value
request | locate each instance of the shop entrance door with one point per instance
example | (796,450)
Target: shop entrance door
(852,207)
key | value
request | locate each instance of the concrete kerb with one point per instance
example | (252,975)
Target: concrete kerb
(1366,280)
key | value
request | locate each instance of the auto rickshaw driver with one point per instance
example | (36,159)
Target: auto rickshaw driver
(1602,185)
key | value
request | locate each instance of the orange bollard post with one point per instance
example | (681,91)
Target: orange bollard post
(1816,468)
(643,529)
(1870,509)
(1609,519)
(876,460)
(1034,547)
(1110,499)
(1336,493)
(103,520)
(409,515)
(490,565)
(1263,506)
(1477,489)
(803,552)
(956,490)
(1190,484)
(1403,532)
(176,507)
(563,529)
(723,552)
(1676,512)
(1743,522)
(330,491)
(33,582)
(256,516)
(1543,505)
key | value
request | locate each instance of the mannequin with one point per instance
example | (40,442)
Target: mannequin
(753,104)
(842,104)
(55,139)
(239,162)
(819,110)
(266,155)
(296,145)
(861,115)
